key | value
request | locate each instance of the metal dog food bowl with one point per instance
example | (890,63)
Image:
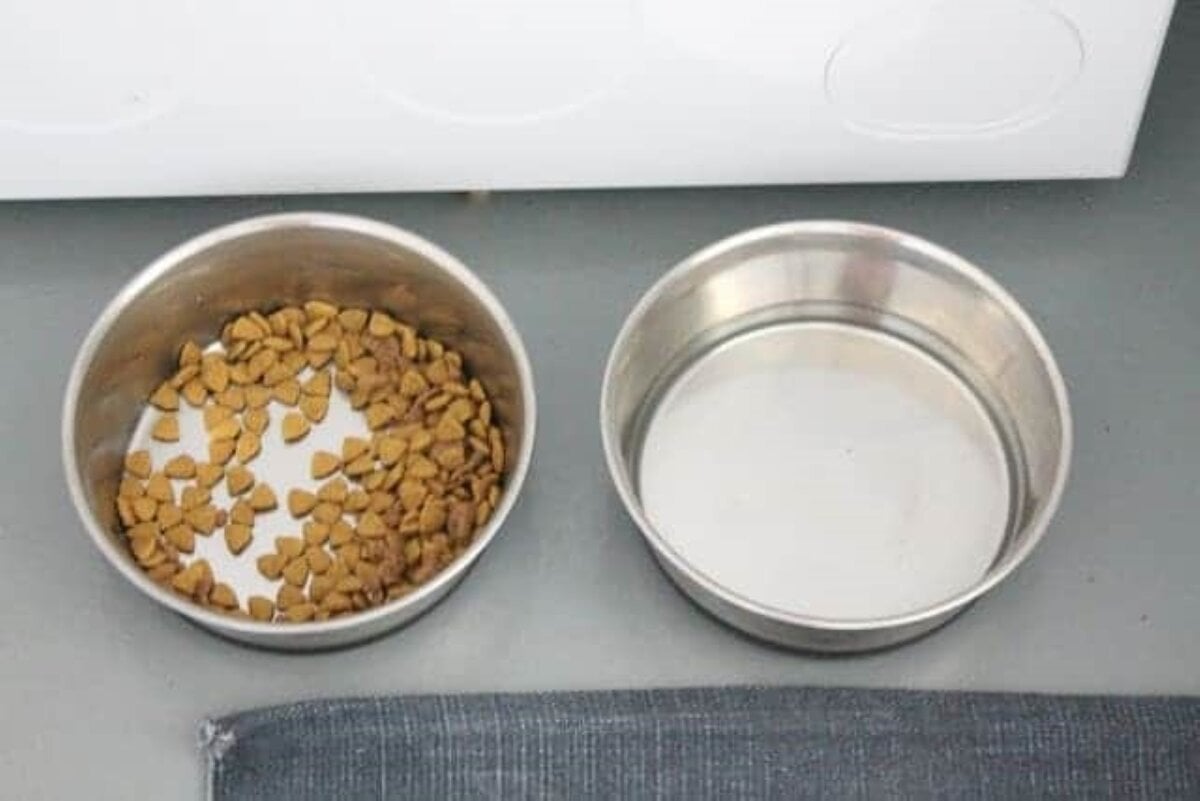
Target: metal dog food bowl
(834,436)
(268,262)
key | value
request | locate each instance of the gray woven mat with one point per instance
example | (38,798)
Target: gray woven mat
(710,743)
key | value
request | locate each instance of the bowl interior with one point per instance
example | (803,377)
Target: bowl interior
(263,264)
(848,278)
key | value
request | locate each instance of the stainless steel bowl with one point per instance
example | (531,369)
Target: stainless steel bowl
(266,262)
(834,436)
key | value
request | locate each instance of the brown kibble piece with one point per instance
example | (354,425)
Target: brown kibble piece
(353,447)
(256,421)
(391,449)
(215,415)
(461,409)
(125,511)
(127,507)
(333,491)
(248,446)
(323,342)
(194,496)
(379,415)
(319,587)
(167,515)
(412,494)
(182,466)
(238,479)
(183,375)
(449,430)
(289,596)
(214,372)
(208,474)
(166,428)
(460,520)
(353,320)
(289,547)
(237,537)
(271,565)
(420,441)
(143,548)
(239,374)
(287,392)
(260,608)
(229,428)
(165,398)
(320,384)
(190,353)
(370,526)
(314,309)
(327,513)
(262,498)
(189,580)
(161,573)
(300,613)
(276,374)
(360,466)
(244,328)
(324,464)
(318,560)
(314,407)
(233,398)
(374,481)
(381,325)
(340,533)
(257,396)
(137,463)
(182,537)
(300,502)
(158,487)
(296,572)
(295,427)
(145,509)
(220,451)
(349,584)
(194,392)
(357,501)
(496,441)
(421,468)
(223,596)
(202,518)
(412,384)
(315,533)
(242,512)
(450,455)
(433,516)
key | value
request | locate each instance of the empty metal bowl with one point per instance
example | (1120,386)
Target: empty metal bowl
(268,262)
(834,436)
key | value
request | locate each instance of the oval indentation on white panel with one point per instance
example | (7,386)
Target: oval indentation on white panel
(493,61)
(77,67)
(955,68)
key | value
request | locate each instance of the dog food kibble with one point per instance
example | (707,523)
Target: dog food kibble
(237,537)
(300,502)
(324,464)
(166,429)
(295,426)
(405,496)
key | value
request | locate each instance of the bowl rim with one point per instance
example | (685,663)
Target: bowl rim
(847,230)
(267,632)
